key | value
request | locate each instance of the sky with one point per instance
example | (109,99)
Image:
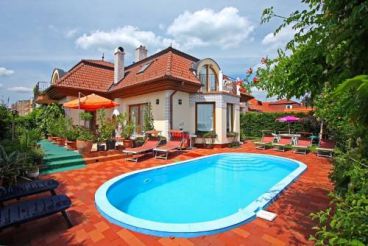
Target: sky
(38,36)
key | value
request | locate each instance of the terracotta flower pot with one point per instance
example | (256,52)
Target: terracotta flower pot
(127,143)
(72,145)
(61,141)
(54,139)
(84,147)
(49,138)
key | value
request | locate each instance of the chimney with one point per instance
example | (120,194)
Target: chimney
(140,53)
(118,64)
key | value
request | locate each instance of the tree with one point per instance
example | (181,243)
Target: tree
(148,118)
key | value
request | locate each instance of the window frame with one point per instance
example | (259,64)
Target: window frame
(207,86)
(140,121)
(213,116)
(232,117)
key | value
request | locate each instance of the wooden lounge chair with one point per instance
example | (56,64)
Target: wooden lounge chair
(162,152)
(26,211)
(302,146)
(141,151)
(26,189)
(325,148)
(266,140)
(282,143)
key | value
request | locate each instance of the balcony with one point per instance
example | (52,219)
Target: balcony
(40,97)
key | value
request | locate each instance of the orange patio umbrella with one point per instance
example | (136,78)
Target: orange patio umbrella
(91,102)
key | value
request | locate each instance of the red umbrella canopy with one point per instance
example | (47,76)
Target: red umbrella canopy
(288,119)
(91,103)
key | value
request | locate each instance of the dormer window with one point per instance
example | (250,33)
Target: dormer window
(208,78)
(289,106)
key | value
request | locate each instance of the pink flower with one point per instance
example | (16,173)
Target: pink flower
(255,80)
(264,60)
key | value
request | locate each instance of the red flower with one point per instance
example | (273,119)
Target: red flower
(264,60)
(242,89)
(240,82)
(255,80)
(249,71)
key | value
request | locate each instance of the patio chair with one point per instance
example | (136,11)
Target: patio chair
(325,148)
(302,145)
(266,140)
(141,151)
(175,143)
(26,211)
(282,143)
(26,189)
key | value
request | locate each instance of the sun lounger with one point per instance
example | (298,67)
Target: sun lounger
(27,189)
(26,211)
(162,152)
(282,143)
(266,140)
(325,148)
(141,151)
(302,146)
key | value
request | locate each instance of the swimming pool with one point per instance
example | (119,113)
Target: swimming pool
(197,197)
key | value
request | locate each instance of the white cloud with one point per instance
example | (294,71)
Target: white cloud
(5,72)
(20,89)
(280,39)
(206,27)
(127,36)
(71,33)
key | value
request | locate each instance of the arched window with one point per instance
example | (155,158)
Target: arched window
(208,78)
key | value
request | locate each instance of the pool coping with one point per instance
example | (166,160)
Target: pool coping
(244,215)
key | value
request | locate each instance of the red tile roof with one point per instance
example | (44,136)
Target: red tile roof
(98,75)
(89,75)
(169,63)
(277,106)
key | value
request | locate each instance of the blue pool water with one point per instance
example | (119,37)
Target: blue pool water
(196,193)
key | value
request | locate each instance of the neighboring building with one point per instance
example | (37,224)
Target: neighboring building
(185,92)
(23,107)
(279,106)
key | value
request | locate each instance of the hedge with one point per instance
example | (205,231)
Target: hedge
(252,123)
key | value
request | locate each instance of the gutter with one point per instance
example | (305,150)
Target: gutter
(171,109)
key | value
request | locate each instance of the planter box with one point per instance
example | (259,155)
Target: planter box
(61,141)
(72,145)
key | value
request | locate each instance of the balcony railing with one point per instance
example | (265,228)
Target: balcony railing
(40,87)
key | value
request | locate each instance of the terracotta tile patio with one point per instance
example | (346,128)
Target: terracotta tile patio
(291,227)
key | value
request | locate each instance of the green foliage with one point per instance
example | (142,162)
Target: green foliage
(71,132)
(252,124)
(12,165)
(5,122)
(326,61)
(353,94)
(126,126)
(84,134)
(148,118)
(86,116)
(105,127)
(46,116)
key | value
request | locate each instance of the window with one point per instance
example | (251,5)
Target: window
(136,116)
(229,117)
(205,117)
(208,78)
(289,106)
(144,67)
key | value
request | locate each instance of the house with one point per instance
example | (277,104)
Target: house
(184,92)
(23,107)
(279,106)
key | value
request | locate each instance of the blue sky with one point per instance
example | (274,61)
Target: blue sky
(37,36)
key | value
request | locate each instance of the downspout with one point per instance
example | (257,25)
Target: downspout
(171,110)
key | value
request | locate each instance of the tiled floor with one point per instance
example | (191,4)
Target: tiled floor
(291,227)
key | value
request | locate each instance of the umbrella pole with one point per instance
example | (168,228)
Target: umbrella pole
(79,109)
(289,126)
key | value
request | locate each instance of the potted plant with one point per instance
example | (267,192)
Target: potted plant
(209,139)
(84,140)
(12,166)
(86,117)
(71,135)
(233,139)
(109,133)
(61,130)
(127,130)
